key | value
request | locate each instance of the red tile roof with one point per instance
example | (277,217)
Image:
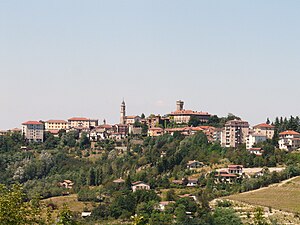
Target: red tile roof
(264,125)
(289,132)
(32,123)
(78,119)
(131,117)
(156,128)
(56,121)
(225,175)
(189,112)
(235,166)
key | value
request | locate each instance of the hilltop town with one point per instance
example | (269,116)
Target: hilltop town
(152,168)
(231,133)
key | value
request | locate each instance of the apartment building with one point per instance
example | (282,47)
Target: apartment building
(33,131)
(81,122)
(234,133)
(51,125)
(264,129)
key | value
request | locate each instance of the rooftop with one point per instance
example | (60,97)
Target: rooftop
(264,125)
(289,132)
(32,123)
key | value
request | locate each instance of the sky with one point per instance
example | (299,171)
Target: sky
(66,58)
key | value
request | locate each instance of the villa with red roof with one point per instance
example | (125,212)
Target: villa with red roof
(33,131)
(289,140)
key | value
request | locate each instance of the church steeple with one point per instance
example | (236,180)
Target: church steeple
(123,112)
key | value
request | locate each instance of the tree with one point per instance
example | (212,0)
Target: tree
(226,216)
(84,141)
(259,218)
(138,220)
(92,177)
(194,121)
(65,217)
(13,208)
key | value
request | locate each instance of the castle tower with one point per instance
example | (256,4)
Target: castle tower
(122,113)
(179,105)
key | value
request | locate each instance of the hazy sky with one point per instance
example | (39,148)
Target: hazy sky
(65,58)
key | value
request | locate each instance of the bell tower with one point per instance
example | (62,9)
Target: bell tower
(122,112)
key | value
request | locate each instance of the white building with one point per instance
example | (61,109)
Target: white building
(33,131)
(289,140)
(253,139)
(139,185)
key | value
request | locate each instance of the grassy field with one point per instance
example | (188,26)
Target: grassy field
(284,196)
(71,201)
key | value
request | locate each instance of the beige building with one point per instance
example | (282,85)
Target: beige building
(155,131)
(289,140)
(81,122)
(234,133)
(265,130)
(33,131)
(182,116)
(56,125)
(130,120)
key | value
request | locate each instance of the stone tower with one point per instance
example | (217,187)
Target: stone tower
(179,105)
(122,112)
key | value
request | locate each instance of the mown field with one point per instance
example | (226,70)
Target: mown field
(284,196)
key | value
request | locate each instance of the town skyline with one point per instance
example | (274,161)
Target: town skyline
(116,115)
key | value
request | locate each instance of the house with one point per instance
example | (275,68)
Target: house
(192,182)
(254,138)
(183,130)
(86,214)
(234,133)
(235,169)
(224,176)
(139,185)
(3,132)
(130,120)
(177,182)
(194,164)
(193,197)
(289,140)
(66,184)
(256,151)
(183,181)
(122,129)
(119,181)
(182,116)
(264,129)
(33,131)
(153,121)
(155,131)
